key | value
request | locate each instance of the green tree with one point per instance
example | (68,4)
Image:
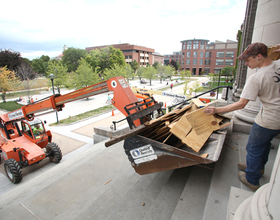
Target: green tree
(186,89)
(195,87)
(156,65)
(84,76)
(150,73)
(213,78)
(134,65)
(129,72)
(71,58)
(105,58)
(40,65)
(8,80)
(173,63)
(140,72)
(227,71)
(160,72)
(93,59)
(178,65)
(169,71)
(10,59)
(188,73)
(183,74)
(115,71)
(60,72)
(109,57)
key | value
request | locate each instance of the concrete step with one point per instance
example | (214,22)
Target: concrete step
(194,196)
(137,202)
(165,204)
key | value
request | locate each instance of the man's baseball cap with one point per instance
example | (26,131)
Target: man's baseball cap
(253,49)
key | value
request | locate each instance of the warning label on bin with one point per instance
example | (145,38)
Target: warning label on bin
(142,151)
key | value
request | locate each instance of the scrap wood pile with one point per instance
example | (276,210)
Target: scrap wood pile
(188,126)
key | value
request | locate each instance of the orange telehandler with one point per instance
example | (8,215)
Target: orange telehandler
(31,143)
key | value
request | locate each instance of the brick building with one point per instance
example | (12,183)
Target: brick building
(142,55)
(199,55)
(176,56)
(158,58)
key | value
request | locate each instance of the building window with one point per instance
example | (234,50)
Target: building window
(201,44)
(195,54)
(183,54)
(220,54)
(207,62)
(195,45)
(206,70)
(194,61)
(184,46)
(217,71)
(230,54)
(201,54)
(187,61)
(182,62)
(189,45)
(201,62)
(219,62)
(188,54)
(229,62)
(207,54)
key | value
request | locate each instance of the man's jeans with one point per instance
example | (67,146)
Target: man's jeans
(258,148)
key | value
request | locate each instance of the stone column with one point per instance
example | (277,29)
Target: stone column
(247,32)
(267,31)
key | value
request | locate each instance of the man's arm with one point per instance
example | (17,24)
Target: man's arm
(210,110)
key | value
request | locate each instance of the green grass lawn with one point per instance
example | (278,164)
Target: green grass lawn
(85,115)
(10,106)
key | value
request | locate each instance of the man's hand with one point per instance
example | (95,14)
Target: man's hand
(210,110)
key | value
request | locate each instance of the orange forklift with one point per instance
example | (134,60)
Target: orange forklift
(24,141)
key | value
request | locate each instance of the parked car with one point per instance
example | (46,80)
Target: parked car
(143,81)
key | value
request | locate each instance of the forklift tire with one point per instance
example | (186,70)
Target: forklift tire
(13,170)
(54,152)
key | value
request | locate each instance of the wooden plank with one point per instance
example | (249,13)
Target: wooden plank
(224,125)
(204,155)
(198,103)
(161,136)
(191,109)
(201,122)
(219,119)
(185,109)
(167,138)
(165,130)
(181,128)
(130,133)
(161,118)
(195,141)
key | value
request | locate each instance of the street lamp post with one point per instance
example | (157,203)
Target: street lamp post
(51,76)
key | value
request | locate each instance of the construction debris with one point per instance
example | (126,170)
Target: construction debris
(190,125)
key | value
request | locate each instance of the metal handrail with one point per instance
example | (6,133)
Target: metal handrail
(186,101)
(115,122)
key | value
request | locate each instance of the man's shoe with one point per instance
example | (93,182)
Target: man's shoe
(242,178)
(243,166)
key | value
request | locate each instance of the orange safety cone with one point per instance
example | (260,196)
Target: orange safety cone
(113,113)
(165,104)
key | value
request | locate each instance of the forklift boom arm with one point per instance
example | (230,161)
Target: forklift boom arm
(123,96)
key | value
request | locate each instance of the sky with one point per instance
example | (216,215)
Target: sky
(35,28)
